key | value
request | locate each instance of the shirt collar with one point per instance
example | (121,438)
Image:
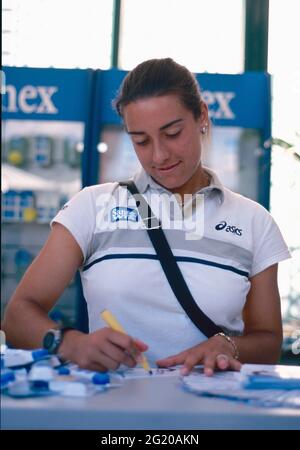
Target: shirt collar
(144,181)
(215,186)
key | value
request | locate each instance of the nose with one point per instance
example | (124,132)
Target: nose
(160,153)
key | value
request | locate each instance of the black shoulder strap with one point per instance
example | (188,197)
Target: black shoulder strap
(169,264)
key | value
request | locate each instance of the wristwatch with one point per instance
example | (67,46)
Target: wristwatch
(53,338)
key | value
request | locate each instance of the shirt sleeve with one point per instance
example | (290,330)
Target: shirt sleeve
(78,216)
(269,245)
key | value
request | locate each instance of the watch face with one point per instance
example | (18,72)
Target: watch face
(49,340)
(52,340)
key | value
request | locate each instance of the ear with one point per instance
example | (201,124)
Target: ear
(204,115)
(204,119)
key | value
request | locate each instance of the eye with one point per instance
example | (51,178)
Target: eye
(141,142)
(173,135)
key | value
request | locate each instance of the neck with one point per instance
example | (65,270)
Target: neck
(199,180)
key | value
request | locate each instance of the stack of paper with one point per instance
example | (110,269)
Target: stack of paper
(240,386)
(271,377)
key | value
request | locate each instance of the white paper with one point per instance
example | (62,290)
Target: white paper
(291,372)
(139,372)
(228,385)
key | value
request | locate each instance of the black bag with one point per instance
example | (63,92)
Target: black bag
(169,264)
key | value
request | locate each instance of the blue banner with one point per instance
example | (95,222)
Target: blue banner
(233,100)
(46,94)
(242,100)
(64,94)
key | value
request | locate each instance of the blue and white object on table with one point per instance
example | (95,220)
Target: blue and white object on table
(41,371)
(258,376)
(231,386)
(97,378)
(7,376)
(14,358)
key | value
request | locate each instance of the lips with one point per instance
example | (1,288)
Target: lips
(168,168)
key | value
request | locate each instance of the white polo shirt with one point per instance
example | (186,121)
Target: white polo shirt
(121,271)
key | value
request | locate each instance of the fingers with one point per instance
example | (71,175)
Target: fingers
(210,361)
(132,347)
(106,349)
(97,361)
(189,358)
(173,360)
(222,361)
(140,345)
(106,361)
(117,354)
(236,365)
(167,362)
(192,359)
(209,365)
(94,366)
(225,362)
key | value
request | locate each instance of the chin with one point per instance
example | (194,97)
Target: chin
(171,185)
(171,181)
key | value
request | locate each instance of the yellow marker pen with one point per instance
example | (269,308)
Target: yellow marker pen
(115,325)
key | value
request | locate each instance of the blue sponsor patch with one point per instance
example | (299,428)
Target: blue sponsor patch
(124,213)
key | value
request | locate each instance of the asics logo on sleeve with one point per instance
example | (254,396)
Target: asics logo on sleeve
(228,228)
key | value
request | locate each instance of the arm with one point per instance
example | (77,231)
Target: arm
(26,318)
(262,337)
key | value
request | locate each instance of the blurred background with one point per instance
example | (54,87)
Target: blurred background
(63,62)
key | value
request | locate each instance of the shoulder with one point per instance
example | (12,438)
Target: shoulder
(80,214)
(244,206)
(98,189)
(260,232)
(84,205)
(90,196)
(253,220)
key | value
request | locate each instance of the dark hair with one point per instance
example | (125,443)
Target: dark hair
(157,77)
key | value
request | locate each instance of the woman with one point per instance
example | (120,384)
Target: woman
(231,271)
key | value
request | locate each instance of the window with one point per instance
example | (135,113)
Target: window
(57,33)
(284,65)
(204,35)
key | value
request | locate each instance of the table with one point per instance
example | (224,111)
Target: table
(158,403)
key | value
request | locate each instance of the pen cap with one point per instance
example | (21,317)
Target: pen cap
(100,378)
(39,354)
(63,370)
(6,377)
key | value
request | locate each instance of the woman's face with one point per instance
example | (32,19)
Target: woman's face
(166,138)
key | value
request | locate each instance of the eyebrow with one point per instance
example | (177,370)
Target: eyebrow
(167,125)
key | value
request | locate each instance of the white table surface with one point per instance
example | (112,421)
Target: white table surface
(158,403)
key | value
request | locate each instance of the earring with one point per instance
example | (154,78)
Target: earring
(204,130)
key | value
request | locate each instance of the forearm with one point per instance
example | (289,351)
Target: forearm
(25,323)
(261,347)
(26,318)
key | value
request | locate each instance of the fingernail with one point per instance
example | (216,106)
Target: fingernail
(184,371)
(223,364)
(209,372)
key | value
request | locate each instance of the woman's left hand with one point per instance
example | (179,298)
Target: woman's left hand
(215,353)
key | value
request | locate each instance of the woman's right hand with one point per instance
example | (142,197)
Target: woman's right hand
(102,350)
